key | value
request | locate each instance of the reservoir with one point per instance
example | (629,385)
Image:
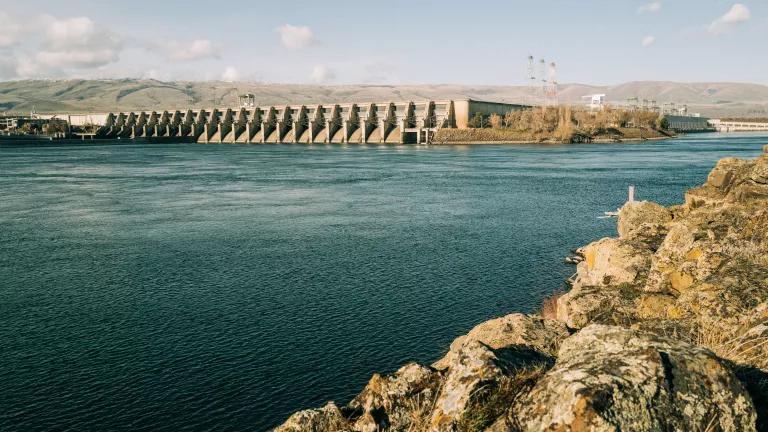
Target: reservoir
(185,287)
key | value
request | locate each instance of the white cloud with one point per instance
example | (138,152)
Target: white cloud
(653,7)
(198,49)
(76,59)
(29,68)
(10,32)
(321,74)
(69,43)
(736,15)
(648,41)
(231,74)
(296,37)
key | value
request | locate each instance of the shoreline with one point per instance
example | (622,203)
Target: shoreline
(662,325)
(595,141)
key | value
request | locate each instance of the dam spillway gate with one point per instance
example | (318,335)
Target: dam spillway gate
(352,123)
(390,122)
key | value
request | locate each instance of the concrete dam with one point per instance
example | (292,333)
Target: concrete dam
(390,122)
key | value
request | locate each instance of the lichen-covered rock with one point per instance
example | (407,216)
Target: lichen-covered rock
(645,222)
(732,180)
(607,283)
(583,305)
(391,402)
(612,261)
(655,305)
(474,365)
(715,247)
(474,374)
(611,378)
(515,329)
(325,419)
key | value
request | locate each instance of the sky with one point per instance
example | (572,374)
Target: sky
(482,42)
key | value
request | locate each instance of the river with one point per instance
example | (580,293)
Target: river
(182,287)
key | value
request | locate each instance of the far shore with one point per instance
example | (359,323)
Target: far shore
(549,142)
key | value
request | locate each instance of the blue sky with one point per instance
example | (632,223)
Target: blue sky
(389,42)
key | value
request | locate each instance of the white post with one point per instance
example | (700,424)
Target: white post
(631,193)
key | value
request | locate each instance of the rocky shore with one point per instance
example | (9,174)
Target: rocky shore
(665,329)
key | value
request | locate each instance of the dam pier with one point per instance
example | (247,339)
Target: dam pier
(389,122)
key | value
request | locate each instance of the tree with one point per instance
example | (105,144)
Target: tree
(55,126)
(495,121)
(477,121)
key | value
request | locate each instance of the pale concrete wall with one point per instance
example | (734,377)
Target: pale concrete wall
(466,109)
(85,119)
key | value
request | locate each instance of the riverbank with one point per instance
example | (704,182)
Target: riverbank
(665,328)
(511,136)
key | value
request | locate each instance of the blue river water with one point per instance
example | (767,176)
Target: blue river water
(191,287)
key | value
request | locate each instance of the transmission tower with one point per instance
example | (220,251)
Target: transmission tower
(531,80)
(551,87)
(543,78)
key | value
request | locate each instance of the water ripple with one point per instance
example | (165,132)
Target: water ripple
(219,288)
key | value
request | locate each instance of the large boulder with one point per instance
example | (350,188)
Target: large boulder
(393,402)
(515,329)
(479,381)
(611,378)
(611,261)
(325,419)
(607,283)
(732,180)
(645,222)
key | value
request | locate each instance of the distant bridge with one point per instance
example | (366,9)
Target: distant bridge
(390,122)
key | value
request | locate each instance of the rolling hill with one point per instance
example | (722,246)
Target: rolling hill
(48,96)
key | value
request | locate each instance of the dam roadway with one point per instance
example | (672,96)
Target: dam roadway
(390,122)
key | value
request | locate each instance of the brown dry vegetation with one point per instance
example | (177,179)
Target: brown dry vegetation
(558,124)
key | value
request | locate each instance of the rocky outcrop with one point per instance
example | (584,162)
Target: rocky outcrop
(390,402)
(515,329)
(731,181)
(326,419)
(645,222)
(611,378)
(480,385)
(665,328)
(604,288)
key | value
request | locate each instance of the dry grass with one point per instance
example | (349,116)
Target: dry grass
(420,412)
(739,345)
(750,250)
(497,399)
(712,426)
(558,124)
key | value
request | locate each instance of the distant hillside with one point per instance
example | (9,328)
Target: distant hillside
(711,99)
